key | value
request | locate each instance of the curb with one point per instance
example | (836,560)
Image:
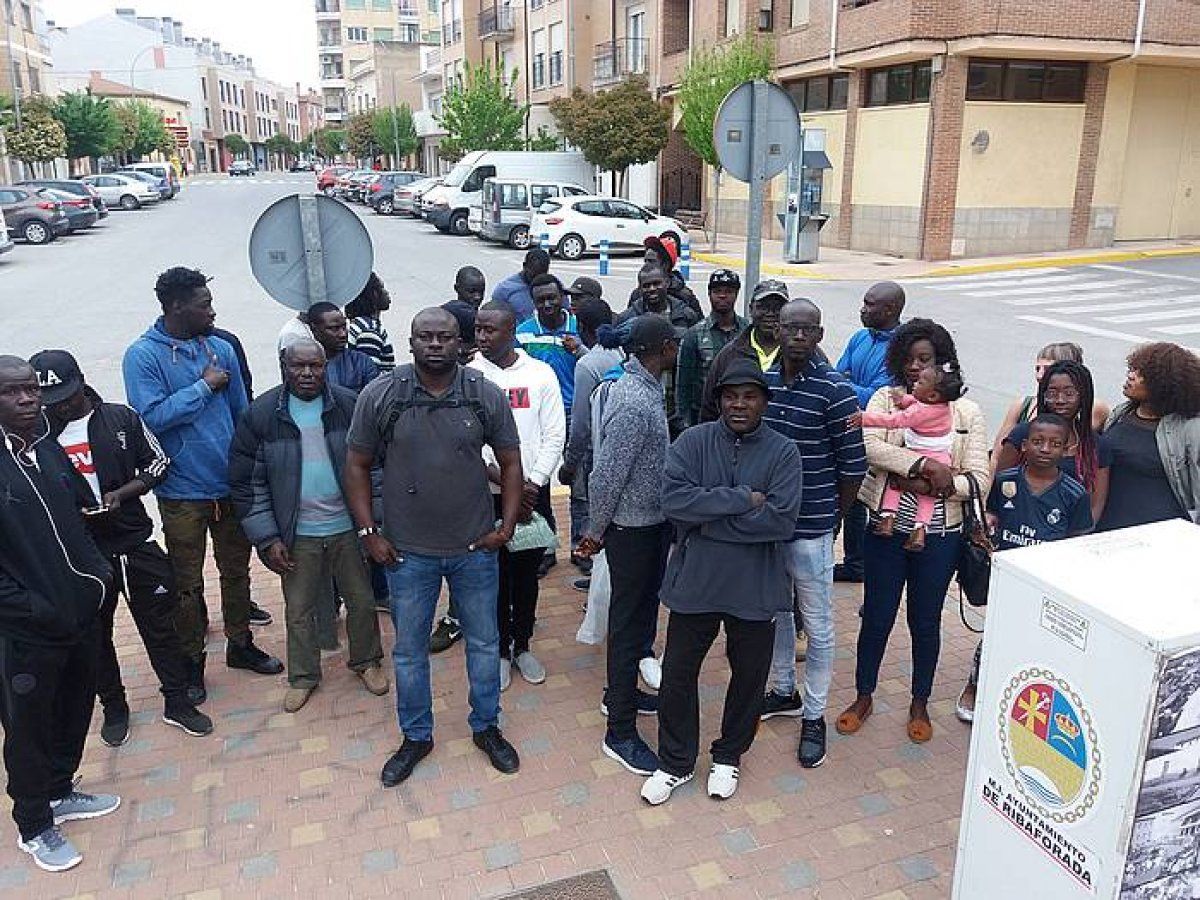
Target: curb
(1087,259)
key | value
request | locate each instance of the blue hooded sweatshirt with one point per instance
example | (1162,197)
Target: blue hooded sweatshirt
(193,423)
(864,362)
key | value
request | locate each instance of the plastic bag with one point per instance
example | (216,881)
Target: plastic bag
(595,621)
(532,535)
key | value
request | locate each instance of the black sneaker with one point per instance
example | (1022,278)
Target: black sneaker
(403,761)
(188,718)
(647,703)
(583,585)
(501,754)
(446,635)
(249,657)
(778,705)
(812,743)
(259,616)
(549,561)
(115,730)
(632,753)
(848,576)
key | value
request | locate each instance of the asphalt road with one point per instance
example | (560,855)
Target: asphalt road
(92,293)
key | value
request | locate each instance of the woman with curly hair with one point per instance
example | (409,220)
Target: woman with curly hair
(888,568)
(1155,440)
(365,327)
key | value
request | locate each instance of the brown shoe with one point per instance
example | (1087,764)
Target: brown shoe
(920,729)
(850,721)
(916,540)
(295,698)
(375,680)
(883,527)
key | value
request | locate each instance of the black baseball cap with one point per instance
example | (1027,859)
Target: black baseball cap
(650,331)
(586,287)
(725,277)
(743,371)
(59,375)
(771,288)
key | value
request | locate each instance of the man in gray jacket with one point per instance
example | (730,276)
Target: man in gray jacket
(731,488)
(285,477)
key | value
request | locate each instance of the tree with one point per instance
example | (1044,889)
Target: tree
(236,144)
(329,142)
(615,129)
(479,113)
(41,137)
(396,132)
(141,130)
(709,77)
(360,136)
(89,123)
(544,140)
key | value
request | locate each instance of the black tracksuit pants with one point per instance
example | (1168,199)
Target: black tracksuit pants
(749,646)
(145,577)
(517,586)
(46,700)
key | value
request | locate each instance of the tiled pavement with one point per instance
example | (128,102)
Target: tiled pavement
(276,805)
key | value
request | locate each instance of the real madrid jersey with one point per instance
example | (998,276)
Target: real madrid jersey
(1060,511)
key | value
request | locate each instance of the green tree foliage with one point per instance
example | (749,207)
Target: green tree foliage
(396,132)
(360,136)
(282,144)
(41,137)
(480,113)
(141,130)
(709,77)
(544,140)
(89,122)
(236,144)
(617,128)
(329,142)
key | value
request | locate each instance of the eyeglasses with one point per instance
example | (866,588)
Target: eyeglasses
(1067,394)
(806,330)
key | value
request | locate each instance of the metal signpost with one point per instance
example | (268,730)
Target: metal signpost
(757,135)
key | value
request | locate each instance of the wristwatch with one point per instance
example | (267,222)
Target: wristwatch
(366,532)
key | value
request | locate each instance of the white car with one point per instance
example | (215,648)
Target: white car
(577,225)
(124,191)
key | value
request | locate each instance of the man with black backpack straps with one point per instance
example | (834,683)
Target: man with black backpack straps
(430,421)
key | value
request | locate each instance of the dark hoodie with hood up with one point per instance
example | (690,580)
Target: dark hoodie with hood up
(53,578)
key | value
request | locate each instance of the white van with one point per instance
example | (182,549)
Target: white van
(448,206)
(507,207)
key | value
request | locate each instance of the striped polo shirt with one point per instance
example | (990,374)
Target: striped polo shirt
(812,411)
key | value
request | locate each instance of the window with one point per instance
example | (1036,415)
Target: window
(204,87)
(908,83)
(356,35)
(432,6)
(539,58)
(514,196)
(475,180)
(383,34)
(1026,81)
(542,192)
(618,209)
(356,4)
(569,191)
(635,39)
(591,208)
(556,53)
(825,92)
(384,5)
(799,13)
(733,17)
(409,34)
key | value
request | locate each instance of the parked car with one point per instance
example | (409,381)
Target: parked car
(6,243)
(381,192)
(301,165)
(31,214)
(327,179)
(162,188)
(407,198)
(349,185)
(165,172)
(507,208)
(80,212)
(242,167)
(576,225)
(124,191)
(72,186)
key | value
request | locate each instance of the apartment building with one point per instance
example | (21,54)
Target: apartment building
(989,127)
(386,78)
(311,111)
(25,60)
(349,32)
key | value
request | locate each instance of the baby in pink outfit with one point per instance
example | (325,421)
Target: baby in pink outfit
(928,424)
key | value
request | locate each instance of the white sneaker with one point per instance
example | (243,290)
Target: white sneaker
(505,674)
(657,788)
(722,781)
(651,671)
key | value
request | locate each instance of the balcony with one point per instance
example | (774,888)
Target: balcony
(496,23)
(615,60)
(327,9)
(452,32)
(406,9)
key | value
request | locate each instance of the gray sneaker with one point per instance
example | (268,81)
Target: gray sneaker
(78,805)
(529,667)
(52,851)
(505,674)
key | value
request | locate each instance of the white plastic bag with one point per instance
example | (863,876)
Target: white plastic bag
(595,621)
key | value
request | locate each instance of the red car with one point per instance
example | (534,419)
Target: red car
(327,177)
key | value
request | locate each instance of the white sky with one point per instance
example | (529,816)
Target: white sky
(281,35)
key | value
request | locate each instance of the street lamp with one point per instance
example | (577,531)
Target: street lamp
(133,64)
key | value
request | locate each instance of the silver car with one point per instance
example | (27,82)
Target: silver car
(123,190)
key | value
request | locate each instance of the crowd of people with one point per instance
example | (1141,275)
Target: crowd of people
(712,461)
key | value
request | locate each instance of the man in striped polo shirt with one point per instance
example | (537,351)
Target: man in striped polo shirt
(811,403)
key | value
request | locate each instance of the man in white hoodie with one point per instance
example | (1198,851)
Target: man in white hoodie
(533,394)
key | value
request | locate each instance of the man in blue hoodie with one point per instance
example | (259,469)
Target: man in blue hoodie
(864,363)
(188,389)
(516,289)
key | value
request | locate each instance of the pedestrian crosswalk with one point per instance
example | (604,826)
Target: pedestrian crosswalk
(242,179)
(1123,302)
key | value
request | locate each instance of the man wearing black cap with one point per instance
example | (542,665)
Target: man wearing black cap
(584,288)
(121,461)
(759,343)
(704,341)
(626,518)
(732,490)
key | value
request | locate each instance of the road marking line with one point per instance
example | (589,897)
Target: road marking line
(1186,312)
(1127,304)
(1081,287)
(967,279)
(1150,273)
(1190,328)
(1087,329)
(1050,279)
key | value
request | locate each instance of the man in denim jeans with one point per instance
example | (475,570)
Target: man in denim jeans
(430,422)
(811,404)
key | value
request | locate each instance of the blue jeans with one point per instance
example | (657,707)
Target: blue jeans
(809,564)
(888,570)
(415,582)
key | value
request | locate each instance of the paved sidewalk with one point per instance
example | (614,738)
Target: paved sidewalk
(278,805)
(837,264)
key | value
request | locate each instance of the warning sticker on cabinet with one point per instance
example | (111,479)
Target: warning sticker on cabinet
(1064,623)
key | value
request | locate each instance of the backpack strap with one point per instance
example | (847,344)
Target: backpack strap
(403,397)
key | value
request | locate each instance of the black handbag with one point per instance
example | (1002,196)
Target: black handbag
(975,556)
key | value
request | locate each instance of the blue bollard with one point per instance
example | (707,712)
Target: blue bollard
(604,256)
(685,259)
(544,241)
